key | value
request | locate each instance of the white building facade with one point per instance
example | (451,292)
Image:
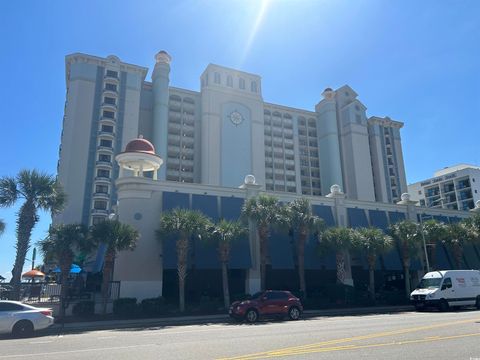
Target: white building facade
(217,135)
(135,149)
(455,187)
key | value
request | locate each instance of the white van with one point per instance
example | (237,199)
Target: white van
(447,288)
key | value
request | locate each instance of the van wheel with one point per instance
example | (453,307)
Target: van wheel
(23,328)
(443,305)
(294,313)
(251,316)
(477,303)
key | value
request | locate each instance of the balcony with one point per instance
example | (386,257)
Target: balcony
(107,164)
(100,195)
(102,179)
(100,211)
(107,134)
(105,148)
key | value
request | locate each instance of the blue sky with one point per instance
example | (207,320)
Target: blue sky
(415,61)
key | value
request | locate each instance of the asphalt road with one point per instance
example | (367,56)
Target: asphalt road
(409,335)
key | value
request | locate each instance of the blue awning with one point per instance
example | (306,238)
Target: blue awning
(391,259)
(280,246)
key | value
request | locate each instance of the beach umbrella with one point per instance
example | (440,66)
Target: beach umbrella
(74,269)
(33,274)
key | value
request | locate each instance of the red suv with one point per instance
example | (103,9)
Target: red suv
(269,303)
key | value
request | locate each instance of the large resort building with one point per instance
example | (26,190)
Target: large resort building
(134,148)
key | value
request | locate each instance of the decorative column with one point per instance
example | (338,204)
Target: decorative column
(252,281)
(328,142)
(340,214)
(160,83)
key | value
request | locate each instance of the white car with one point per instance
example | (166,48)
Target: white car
(22,319)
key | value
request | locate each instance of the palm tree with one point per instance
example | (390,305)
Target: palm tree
(338,239)
(2,226)
(61,245)
(225,233)
(298,217)
(183,224)
(434,233)
(472,225)
(457,235)
(263,212)
(409,239)
(39,191)
(117,237)
(374,242)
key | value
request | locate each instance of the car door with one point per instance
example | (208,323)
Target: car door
(7,316)
(267,303)
(448,292)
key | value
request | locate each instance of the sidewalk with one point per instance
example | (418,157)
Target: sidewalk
(204,319)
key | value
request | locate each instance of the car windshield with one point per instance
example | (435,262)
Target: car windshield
(429,283)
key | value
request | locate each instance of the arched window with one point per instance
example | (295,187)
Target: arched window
(229,81)
(253,86)
(241,83)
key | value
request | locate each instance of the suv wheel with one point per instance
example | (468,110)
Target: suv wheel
(251,315)
(23,328)
(294,313)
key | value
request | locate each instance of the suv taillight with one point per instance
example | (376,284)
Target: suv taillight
(46,312)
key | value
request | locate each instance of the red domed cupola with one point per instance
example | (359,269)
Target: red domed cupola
(140,145)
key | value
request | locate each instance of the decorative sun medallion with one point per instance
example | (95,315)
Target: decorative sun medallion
(236,118)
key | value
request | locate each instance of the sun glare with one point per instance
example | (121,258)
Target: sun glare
(258,21)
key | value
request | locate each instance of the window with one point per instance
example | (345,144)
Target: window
(241,83)
(447,283)
(111,73)
(97,220)
(103,173)
(106,143)
(10,307)
(104,157)
(102,189)
(100,205)
(216,78)
(111,87)
(107,128)
(108,114)
(253,86)
(419,192)
(109,100)
(229,81)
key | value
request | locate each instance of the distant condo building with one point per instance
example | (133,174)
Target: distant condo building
(217,135)
(456,187)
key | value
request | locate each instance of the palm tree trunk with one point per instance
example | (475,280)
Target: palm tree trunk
(458,255)
(27,218)
(301,261)
(432,255)
(371,275)
(65,271)
(263,235)
(226,293)
(107,276)
(406,268)
(182,253)
(340,261)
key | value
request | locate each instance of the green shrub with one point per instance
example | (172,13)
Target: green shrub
(84,308)
(393,297)
(125,307)
(152,307)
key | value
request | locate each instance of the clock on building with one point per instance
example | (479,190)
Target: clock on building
(236,118)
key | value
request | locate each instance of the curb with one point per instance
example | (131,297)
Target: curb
(192,320)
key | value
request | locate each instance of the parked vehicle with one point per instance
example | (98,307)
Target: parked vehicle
(446,288)
(270,303)
(23,320)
